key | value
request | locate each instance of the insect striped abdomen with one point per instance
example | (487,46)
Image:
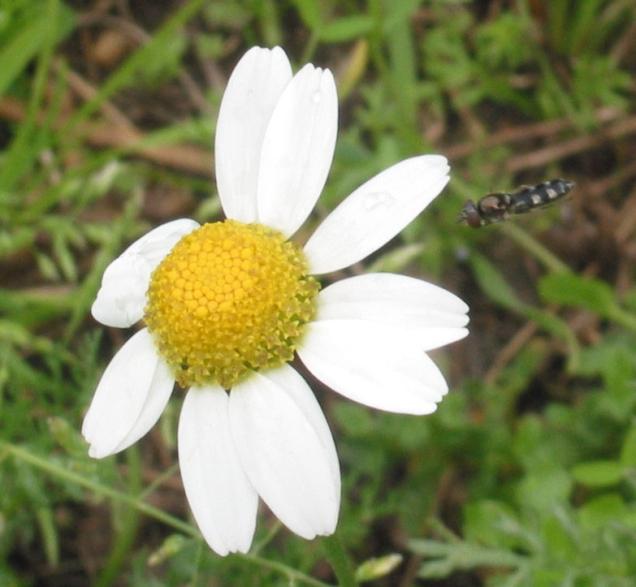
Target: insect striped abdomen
(528,198)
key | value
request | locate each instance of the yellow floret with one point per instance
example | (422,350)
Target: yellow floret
(230,298)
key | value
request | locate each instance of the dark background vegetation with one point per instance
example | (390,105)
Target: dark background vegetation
(526,475)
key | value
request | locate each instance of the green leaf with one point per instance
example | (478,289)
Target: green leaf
(397,259)
(309,11)
(397,13)
(19,49)
(492,523)
(628,451)
(548,577)
(49,534)
(606,509)
(544,488)
(585,21)
(47,267)
(573,290)
(346,28)
(598,473)
(64,256)
(558,538)
(429,548)
(493,283)
(496,288)
(66,435)
(461,556)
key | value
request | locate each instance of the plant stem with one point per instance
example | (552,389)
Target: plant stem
(535,248)
(623,317)
(282,568)
(59,471)
(127,522)
(339,561)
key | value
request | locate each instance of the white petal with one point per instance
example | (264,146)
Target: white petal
(376,212)
(433,316)
(298,150)
(373,364)
(249,99)
(286,450)
(121,299)
(220,496)
(129,399)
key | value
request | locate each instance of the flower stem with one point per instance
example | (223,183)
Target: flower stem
(535,248)
(292,574)
(263,542)
(339,561)
(127,522)
(61,472)
(623,317)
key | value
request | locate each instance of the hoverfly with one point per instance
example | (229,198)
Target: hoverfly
(500,206)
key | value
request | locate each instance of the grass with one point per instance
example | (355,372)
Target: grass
(526,474)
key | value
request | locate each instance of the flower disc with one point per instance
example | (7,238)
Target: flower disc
(228,299)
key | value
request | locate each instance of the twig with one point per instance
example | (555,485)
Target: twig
(507,353)
(140,36)
(86,91)
(183,157)
(552,153)
(523,133)
(627,224)
(625,44)
(602,186)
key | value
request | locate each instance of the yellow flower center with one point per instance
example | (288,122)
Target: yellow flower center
(228,299)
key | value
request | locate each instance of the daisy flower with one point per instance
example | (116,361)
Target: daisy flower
(227,305)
